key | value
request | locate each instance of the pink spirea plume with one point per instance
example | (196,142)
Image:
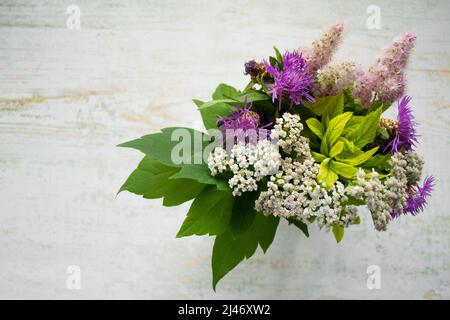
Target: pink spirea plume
(322,49)
(385,76)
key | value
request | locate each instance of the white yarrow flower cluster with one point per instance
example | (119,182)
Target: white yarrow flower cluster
(294,192)
(248,163)
(287,133)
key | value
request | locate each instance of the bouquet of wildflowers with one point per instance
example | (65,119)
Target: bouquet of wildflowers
(304,142)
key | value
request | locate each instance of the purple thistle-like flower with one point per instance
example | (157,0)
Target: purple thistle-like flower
(405,136)
(241,120)
(294,79)
(417,198)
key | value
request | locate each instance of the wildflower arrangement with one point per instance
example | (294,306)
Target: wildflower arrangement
(304,142)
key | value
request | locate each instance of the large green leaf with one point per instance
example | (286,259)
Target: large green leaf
(201,173)
(253,96)
(211,114)
(378,162)
(209,213)
(328,107)
(316,127)
(343,169)
(161,145)
(151,180)
(366,130)
(225,91)
(352,124)
(334,131)
(300,225)
(243,213)
(326,174)
(359,159)
(229,250)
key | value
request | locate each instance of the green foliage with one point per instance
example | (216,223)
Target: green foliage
(379,162)
(327,107)
(334,131)
(225,99)
(366,130)
(209,213)
(161,145)
(342,169)
(302,226)
(338,232)
(225,91)
(382,132)
(318,157)
(336,149)
(151,179)
(316,127)
(326,174)
(230,249)
(243,213)
(360,158)
(201,173)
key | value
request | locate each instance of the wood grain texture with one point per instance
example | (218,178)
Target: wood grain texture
(67,97)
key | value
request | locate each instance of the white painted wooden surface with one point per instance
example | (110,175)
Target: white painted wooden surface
(68,97)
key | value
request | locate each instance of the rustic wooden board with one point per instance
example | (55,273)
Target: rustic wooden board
(67,97)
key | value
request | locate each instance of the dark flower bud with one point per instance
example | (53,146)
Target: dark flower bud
(251,68)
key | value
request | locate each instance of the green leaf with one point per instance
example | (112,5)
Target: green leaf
(278,56)
(318,157)
(350,150)
(229,250)
(273,61)
(201,173)
(378,162)
(253,96)
(151,180)
(209,213)
(302,226)
(197,102)
(225,91)
(212,103)
(330,105)
(359,159)
(336,149)
(338,232)
(343,169)
(210,115)
(243,213)
(326,175)
(316,127)
(366,131)
(382,132)
(161,145)
(334,109)
(334,131)
(352,124)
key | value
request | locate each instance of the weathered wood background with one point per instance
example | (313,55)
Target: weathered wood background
(67,97)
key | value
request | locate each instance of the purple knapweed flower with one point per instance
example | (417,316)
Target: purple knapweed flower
(242,121)
(417,198)
(294,79)
(405,136)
